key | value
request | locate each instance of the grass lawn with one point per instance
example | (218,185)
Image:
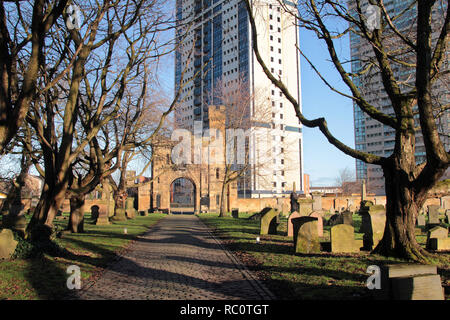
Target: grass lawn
(308,276)
(45,277)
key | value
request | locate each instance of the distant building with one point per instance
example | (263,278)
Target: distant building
(331,189)
(219,32)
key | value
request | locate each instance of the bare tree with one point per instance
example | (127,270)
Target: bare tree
(237,98)
(115,42)
(406,182)
(24,28)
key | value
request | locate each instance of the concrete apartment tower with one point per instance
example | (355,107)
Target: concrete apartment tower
(214,54)
(370,135)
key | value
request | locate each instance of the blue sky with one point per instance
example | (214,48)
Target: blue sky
(321,160)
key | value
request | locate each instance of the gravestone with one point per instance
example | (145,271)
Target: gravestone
(7,244)
(410,281)
(433,215)
(445,202)
(290,226)
(102,215)
(119,215)
(343,239)
(318,215)
(235,213)
(447,216)
(269,221)
(129,208)
(420,222)
(305,206)
(373,221)
(317,202)
(347,218)
(437,233)
(306,238)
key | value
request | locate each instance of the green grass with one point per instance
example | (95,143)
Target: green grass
(294,276)
(45,277)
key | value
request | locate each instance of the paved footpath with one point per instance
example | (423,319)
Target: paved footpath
(177,259)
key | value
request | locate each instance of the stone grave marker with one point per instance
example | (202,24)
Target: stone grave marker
(343,239)
(420,222)
(373,221)
(305,206)
(306,238)
(7,244)
(437,238)
(318,215)
(317,202)
(347,218)
(269,221)
(290,226)
(410,281)
(433,215)
(102,215)
(129,208)
(235,213)
(119,215)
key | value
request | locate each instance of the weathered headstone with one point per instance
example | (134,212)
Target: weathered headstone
(437,233)
(373,221)
(129,208)
(318,215)
(119,215)
(420,222)
(347,218)
(433,215)
(305,206)
(269,221)
(290,226)
(343,239)
(445,202)
(317,202)
(7,244)
(235,213)
(410,281)
(102,215)
(306,238)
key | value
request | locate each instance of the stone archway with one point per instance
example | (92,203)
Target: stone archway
(182,195)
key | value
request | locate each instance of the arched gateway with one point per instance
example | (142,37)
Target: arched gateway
(196,187)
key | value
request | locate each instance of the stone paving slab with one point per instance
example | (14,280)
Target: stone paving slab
(177,259)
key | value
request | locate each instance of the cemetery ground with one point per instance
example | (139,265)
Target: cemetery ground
(306,276)
(44,276)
